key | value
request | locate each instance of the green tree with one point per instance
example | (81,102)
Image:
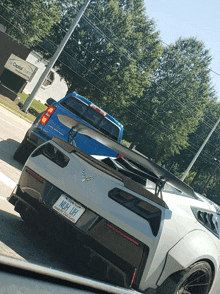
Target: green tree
(209,158)
(174,103)
(111,54)
(29,21)
(212,191)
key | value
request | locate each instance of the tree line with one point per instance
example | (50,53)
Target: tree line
(162,94)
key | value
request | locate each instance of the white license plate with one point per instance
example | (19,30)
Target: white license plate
(68,208)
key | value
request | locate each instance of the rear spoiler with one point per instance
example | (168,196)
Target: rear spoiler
(142,160)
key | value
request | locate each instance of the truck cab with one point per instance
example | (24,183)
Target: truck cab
(47,126)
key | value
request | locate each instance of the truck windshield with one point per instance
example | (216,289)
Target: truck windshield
(92,117)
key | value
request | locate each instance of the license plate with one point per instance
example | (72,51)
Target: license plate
(68,208)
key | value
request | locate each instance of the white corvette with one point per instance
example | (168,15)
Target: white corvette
(145,228)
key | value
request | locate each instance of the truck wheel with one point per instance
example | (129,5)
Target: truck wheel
(196,279)
(23,151)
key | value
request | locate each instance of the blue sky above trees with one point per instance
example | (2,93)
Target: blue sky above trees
(197,18)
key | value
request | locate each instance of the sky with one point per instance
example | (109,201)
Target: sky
(190,18)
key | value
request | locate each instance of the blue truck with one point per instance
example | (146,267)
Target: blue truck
(47,125)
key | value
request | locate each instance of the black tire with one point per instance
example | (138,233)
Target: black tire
(196,279)
(28,216)
(23,151)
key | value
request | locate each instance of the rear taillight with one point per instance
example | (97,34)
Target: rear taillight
(47,114)
(33,174)
(123,234)
(53,154)
(143,208)
(99,110)
(120,155)
(134,274)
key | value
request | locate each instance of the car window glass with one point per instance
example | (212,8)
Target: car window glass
(92,117)
(74,105)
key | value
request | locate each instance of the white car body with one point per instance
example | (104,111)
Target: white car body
(175,240)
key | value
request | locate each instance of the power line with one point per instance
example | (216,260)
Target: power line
(117,49)
(143,112)
(175,98)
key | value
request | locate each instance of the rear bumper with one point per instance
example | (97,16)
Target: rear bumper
(37,137)
(27,275)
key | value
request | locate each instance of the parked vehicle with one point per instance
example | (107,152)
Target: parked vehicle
(143,228)
(47,125)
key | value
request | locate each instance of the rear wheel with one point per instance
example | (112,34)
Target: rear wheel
(196,279)
(23,151)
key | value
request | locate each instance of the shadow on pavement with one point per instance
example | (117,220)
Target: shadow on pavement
(7,150)
(38,247)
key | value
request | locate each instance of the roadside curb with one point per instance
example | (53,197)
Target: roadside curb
(16,113)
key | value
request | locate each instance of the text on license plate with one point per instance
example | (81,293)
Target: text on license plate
(68,208)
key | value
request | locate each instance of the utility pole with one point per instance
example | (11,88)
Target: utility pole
(200,150)
(56,55)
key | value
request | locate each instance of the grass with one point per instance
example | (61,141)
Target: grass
(23,96)
(36,107)
(18,112)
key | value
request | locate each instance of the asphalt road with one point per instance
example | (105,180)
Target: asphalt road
(12,130)
(17,239)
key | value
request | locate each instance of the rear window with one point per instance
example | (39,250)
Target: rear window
(92,117)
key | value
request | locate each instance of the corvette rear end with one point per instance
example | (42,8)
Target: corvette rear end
(138,222)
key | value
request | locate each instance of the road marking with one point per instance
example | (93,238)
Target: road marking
(14,126)
(9,182)
(2,198)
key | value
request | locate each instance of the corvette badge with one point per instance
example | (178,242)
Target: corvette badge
(84,178)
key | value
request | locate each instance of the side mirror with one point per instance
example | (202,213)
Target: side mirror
(50,101)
